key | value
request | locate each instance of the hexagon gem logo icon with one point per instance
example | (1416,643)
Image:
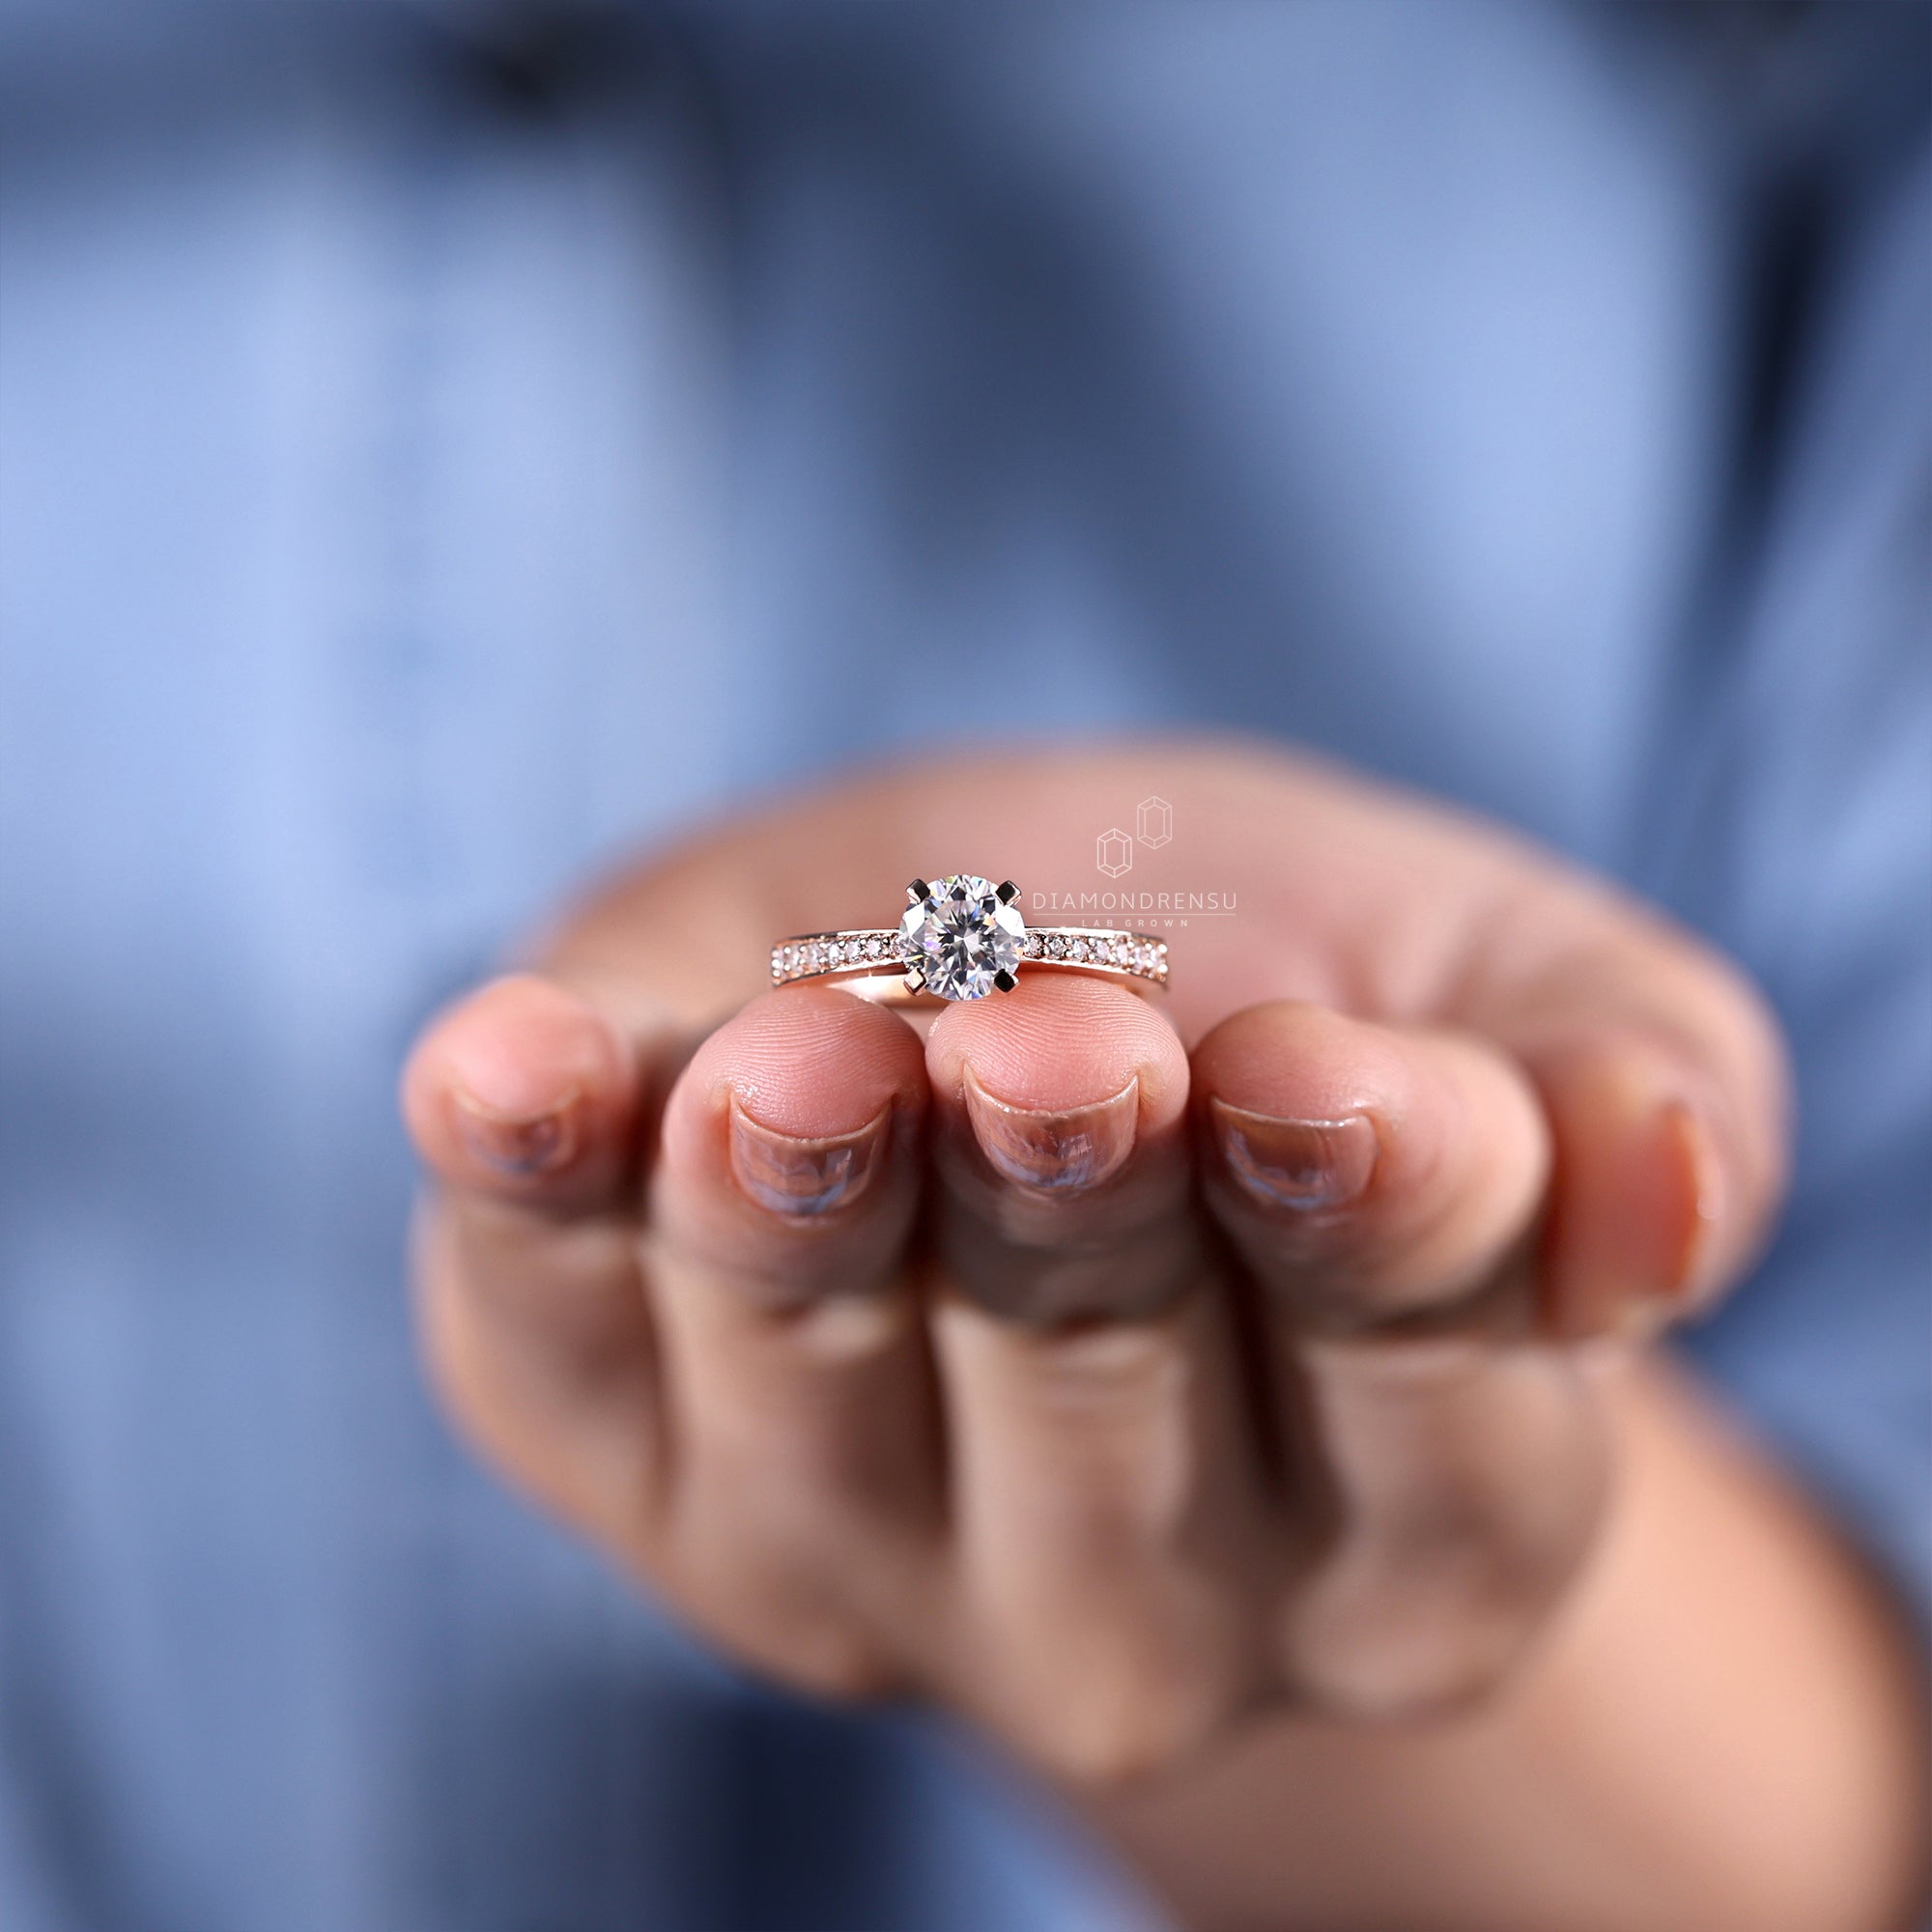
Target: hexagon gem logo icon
(1153,821)
(1114,852)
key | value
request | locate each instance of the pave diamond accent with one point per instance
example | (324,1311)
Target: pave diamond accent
(961,936)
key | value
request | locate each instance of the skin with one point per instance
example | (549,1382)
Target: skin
(1241,1407)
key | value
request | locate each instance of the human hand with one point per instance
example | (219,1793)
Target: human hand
(1100,1372)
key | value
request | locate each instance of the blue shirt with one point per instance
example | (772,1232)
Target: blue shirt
(442,449)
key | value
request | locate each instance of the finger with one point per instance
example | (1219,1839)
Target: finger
(528,1103)
(789,1161)
(526,1093)
(1059,1148)
(1113,1529)
(1116,1540)
(1664,1079)
(1463,1481)
(1369,1174)
(808,1491)
(1383,1184)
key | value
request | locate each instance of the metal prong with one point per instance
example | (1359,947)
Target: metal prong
(915,981)
(918,891)
(1008,892)
(1005,981)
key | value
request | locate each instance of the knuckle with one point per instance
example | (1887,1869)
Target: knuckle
(1123,1738)
(835,1661)
(1434,1675)
(1123,1373)
(1129,1710)
(789,1630)
(1069,1274)
(782,1592)
(1412,1663)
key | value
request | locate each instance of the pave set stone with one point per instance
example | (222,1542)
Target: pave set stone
(1126,952)
(962,940)
(834,952)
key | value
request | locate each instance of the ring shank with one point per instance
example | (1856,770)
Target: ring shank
(868,963)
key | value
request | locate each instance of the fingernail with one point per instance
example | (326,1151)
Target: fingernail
(1694,1176)
(1077,1148)
(1305,1164)
(519,1144)
(792,1175)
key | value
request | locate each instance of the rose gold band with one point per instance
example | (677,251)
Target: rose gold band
(869,962)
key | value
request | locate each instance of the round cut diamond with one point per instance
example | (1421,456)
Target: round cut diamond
(962,937)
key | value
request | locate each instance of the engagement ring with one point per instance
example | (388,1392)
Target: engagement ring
(962,939)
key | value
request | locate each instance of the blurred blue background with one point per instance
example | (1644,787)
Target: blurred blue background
(444,445)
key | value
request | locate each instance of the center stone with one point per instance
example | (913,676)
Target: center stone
(961,935)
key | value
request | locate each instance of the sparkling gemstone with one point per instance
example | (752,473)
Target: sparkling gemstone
(960,936)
